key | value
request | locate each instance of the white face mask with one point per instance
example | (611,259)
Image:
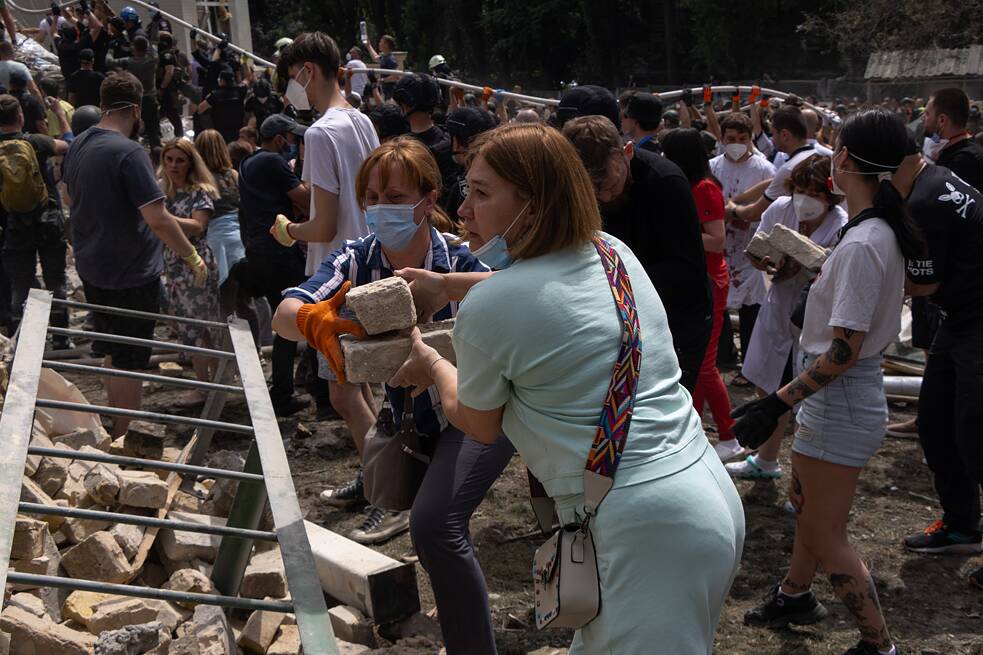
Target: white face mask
(735,151)
(297,94)
(806,207)
(933,146)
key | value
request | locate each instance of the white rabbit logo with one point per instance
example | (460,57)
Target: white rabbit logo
(962,200)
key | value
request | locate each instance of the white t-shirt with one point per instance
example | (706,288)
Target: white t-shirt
(334,148)
(781,157)
(359,80)
(860,287)
(747,285)
(47,34)
(776,189)
(8,67)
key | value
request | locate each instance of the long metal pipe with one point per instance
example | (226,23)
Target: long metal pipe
(153,417)
(88,456)
(136,375)
(134,341)
(133,313)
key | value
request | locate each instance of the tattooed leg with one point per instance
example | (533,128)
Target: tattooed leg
(860,597)
(795,493)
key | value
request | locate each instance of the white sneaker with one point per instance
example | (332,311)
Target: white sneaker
(752,468)
(727,450)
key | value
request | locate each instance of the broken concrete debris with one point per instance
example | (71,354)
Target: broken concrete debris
(383,306)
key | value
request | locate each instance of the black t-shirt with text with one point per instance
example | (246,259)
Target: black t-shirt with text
(965,159)
(950,214)
(84,85)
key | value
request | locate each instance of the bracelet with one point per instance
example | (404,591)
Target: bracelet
(434,363)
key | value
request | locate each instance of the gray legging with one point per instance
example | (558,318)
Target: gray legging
(460,473)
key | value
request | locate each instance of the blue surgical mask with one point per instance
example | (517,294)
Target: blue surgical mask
(495,253)
(393,225)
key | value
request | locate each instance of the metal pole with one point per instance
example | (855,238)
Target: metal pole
(134,341)
(153,417)
(18,416)
(133,313)
(199,471)
(136,375)
(246,512)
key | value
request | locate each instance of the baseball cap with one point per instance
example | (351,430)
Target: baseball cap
(86,54)
(467,122)
(389,121)
(587,100)
(418,91)
(644,107)
(280,124)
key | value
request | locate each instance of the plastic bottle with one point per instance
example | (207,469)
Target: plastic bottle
(364,30)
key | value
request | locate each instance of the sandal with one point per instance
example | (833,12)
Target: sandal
(740,382)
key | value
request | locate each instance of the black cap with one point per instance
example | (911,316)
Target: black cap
(644,107)
(587,100)
(418,91)
(389,121)
(467,122)
(86,54)
(262,88)
(280,124)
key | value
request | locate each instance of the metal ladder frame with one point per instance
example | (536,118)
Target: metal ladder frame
(266,474)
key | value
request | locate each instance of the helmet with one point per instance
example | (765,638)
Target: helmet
(435,61)
(129,14)
(283,42)
(417,91)
(671,117)
(85,117)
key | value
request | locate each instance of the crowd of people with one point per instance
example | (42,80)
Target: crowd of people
(304,181)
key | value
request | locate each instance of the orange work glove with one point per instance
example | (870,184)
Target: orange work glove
(764,102)
(735,102)
(755,92)
(707,94)
(487,93)
(458,94)
(321,325)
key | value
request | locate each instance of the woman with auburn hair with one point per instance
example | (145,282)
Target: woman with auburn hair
(190,195)
(398,186)
(548,351)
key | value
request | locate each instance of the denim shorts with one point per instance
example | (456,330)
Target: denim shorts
(844,422)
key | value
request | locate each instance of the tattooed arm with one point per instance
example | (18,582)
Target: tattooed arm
(842,354)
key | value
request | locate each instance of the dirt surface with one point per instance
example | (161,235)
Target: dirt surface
(928,604)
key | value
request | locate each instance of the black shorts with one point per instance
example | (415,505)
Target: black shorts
(926,317)
(145,298)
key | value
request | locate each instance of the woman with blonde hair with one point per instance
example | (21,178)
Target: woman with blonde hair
(398,186)
(566,350)
(190,192)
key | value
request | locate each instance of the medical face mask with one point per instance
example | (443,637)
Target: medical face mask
(495,253)
(806,207)
(881,175)
(933,146)
(393,225)
(297,94)
(735,151)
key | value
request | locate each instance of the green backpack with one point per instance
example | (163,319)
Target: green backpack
(22,188)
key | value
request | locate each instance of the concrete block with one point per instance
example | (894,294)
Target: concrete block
(378,359)
(170,369)
(798,246)
(31,635)
(348,648)
(128,537)
(185,641)
(39,437)
(192,581)
(31,492)
(378,586)
(47,564)
(142,489)
(260,631)
(79,606)
(52,472)
(351,625)
(169,613)
(97,558)
(52,598)
(28,540)
(144,439)
(213,632)
(287,641)
(383,306)
(264,577)
(132,639)
(114,613)
(759,247)
(181,546)
(29,603)
(185,502)
(80,437)
(102,484)
(416,625)
(223,490)
(4,643)
(78,530)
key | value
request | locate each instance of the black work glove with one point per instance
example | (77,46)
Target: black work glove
(757,420)
(223,44)
(687,97)
(193,34)
(156,17)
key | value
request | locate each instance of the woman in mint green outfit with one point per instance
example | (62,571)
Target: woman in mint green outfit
(536,343)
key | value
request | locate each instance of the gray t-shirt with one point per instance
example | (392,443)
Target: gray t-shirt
(109,178)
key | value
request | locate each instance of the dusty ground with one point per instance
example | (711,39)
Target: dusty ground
(929,606)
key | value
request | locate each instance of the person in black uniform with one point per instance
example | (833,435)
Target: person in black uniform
(950,405)
(226,106)
(463,124)
(641,116)
(633,188)
(418,95)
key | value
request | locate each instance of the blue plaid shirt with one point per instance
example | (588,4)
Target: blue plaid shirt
(363,261)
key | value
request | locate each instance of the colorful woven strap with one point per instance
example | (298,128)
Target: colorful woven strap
(619,403)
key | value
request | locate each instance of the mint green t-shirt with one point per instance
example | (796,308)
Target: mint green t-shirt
(542,337)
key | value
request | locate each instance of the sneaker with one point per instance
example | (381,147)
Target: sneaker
(290,407)
(728,449)
(867,648)
(751,469)
(904,430)
(381,525)
(937,538)
(779,610)
(350,494)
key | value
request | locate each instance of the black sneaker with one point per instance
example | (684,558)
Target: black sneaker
(779,610)
(381,525)
(290,407)
(867,648)
(937,538)
(350,494)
